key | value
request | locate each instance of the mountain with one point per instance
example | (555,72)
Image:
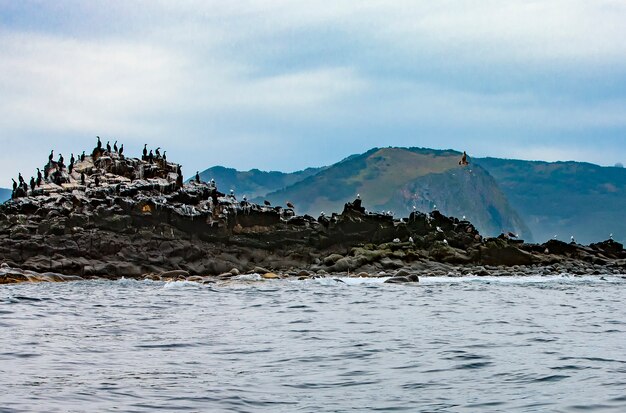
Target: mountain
(254,183)
(399,179)
(564,198)
(4,194)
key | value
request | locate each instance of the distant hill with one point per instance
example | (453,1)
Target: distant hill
(4,194)
(398,179)
(254,183)
(550,198)
(564,198)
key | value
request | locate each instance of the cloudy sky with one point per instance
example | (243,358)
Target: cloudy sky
(286,84)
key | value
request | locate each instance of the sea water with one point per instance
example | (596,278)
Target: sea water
(469,344)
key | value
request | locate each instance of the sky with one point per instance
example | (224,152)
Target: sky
(287,84)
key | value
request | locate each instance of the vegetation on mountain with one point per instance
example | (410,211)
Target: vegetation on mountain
(399,180)
(565,199)
(254,183)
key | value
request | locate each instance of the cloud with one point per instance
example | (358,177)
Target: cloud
(316,80)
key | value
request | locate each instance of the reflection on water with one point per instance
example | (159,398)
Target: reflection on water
(448,344)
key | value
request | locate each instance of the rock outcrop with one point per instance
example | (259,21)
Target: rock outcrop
(111,216)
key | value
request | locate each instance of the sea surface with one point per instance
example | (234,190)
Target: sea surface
(469,344)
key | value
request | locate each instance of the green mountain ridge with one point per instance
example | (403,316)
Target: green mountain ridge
(254,183)
(399,179)
(566,199)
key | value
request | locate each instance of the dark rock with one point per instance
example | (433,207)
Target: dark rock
(140,220)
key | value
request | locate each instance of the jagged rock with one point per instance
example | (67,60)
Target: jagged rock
(499,252)
(134,217)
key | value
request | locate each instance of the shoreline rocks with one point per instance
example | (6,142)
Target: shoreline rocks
(142,220)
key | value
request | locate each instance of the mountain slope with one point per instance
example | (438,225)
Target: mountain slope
(4,194)
(564,198)
(253,183)
(397,179)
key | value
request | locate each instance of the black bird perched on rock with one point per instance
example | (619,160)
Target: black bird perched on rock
(290,205)
(51,156)
(72,159)
(145,150)
(115,147)
(150,156)
(121,150)
(157,152)
(108,147)
(99,144)
(164,157)
(197,177)
(20,178)
(39,178)
(267,203)
(61,160)
(32,183)
(70,168)
(82,157)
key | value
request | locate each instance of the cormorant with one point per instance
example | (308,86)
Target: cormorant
(20,178)
(70,168)
(115,147)
(39,178)
(121,149)
(82,156)
(150,156)
(157,152)
(72,159)
(290,205)
(267,203)
(32,183)
(164,157)
(108,147)
(51,156)
(61,159)
(99,145)
(145,150)
(197,177)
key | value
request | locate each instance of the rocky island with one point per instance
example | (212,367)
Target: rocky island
(105,215)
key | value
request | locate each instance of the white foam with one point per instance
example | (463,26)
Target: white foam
(248,277)
(531,279)
(347,280)
(180,284)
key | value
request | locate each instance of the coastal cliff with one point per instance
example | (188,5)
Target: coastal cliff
(109,216)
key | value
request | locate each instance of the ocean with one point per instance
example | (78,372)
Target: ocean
(467,344)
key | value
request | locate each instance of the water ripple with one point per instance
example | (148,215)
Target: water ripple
(450,345)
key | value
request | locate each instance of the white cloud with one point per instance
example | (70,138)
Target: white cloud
(250,72)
